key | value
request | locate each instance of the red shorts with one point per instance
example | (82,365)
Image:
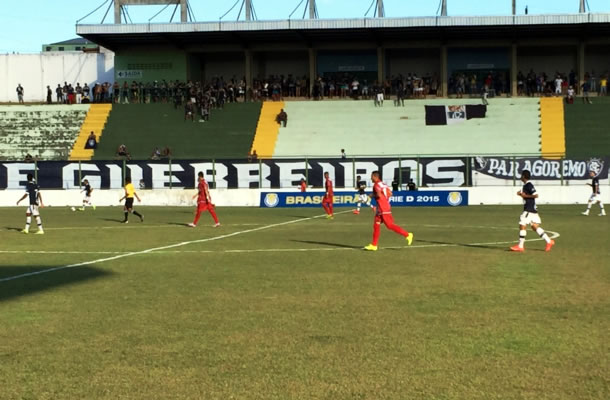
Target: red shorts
(204,207)
(327,200)
(386,219)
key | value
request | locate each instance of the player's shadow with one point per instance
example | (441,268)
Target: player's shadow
(476,246)
(340,245)
(118,220)
(12,228)
(31,284)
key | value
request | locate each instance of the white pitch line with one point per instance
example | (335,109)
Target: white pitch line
(554,235)
(136,226)
(134,253)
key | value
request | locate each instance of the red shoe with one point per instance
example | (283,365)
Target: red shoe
(517,249)
(549,245)
(356,212)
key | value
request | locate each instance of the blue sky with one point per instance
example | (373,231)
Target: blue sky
(27,24)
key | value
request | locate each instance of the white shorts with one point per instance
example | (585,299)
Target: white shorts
(379,96)
(528,218)
(363,198)
(33,210)
(87,199)
(595,197)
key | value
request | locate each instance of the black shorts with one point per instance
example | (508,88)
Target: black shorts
(129,202)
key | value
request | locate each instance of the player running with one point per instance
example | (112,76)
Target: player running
(32,191)
(530,216)
(362,196)
(382,194)
(130,193)
(327,200)
(204,202)
(87,199)
(595,196)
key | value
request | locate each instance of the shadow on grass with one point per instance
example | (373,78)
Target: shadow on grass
(40,282)
(117,220)
(476,246)
(341,245)
(12,228)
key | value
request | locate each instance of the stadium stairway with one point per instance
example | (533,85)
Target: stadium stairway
(323,128)
(267,129)
(553,138)
(46,132)
(94,122)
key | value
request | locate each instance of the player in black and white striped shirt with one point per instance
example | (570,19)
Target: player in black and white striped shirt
(596,196)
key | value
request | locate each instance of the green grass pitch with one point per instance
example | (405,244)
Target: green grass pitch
(276,304)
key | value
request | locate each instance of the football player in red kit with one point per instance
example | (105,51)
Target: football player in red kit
(204,202)
(383,214)
(327,201)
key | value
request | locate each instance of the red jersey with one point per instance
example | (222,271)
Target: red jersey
(303,187)
(329,188)
(381,192)
(202,197)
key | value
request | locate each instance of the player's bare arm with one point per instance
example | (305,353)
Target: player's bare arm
(24,196)
(40,200)
(136,196)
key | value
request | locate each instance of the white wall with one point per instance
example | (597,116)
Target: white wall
(36,71)
(251,197)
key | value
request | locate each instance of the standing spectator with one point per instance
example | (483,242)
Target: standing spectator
(79,93)
(86,90)
(189,111)
(20,92)
(484,95)
(91,141)
(303,185)
(60,94)
(558,83)
(570,95)
(585,92)
(64,92)
(603,86)
(49,95)
(343,155)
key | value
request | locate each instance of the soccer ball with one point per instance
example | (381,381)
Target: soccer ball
(73,209)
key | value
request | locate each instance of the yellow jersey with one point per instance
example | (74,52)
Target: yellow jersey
(129,191)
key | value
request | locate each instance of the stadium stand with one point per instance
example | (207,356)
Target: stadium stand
(323,128)
(553,142)
(586,127)
(44,132)
(94,122)
(142,127)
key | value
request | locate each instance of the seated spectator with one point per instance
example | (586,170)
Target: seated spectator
(28,158)
(156,154)
(91,141)
(252,156)
(570,95)
(85,99)
(122,152)
(142,184)
(282,118)
(166,153)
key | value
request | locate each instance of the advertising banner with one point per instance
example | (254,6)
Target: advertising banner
(541,168)
(233,174)
(426,198)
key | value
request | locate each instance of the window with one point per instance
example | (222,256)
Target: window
(61,48)
(77,48)
(48,48)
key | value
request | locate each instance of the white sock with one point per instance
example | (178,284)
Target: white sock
(28,221)
(358,206)
(39,222)
(589,206)
(522,234)
(543,235)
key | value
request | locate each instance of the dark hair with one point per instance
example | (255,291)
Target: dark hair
(30,177)
(526,174)
(375,173)
(128,179)
(200,174)
(358,177)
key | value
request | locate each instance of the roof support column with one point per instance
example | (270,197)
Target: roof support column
(248,10)
(312,9)
(582,8)
(581,65)
(312,69)
(117,12)
(444,8)
(513,70)
(444,72)
(183,11)
(380,65)
(248,70)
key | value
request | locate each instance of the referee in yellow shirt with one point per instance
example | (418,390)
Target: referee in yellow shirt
(130,193)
